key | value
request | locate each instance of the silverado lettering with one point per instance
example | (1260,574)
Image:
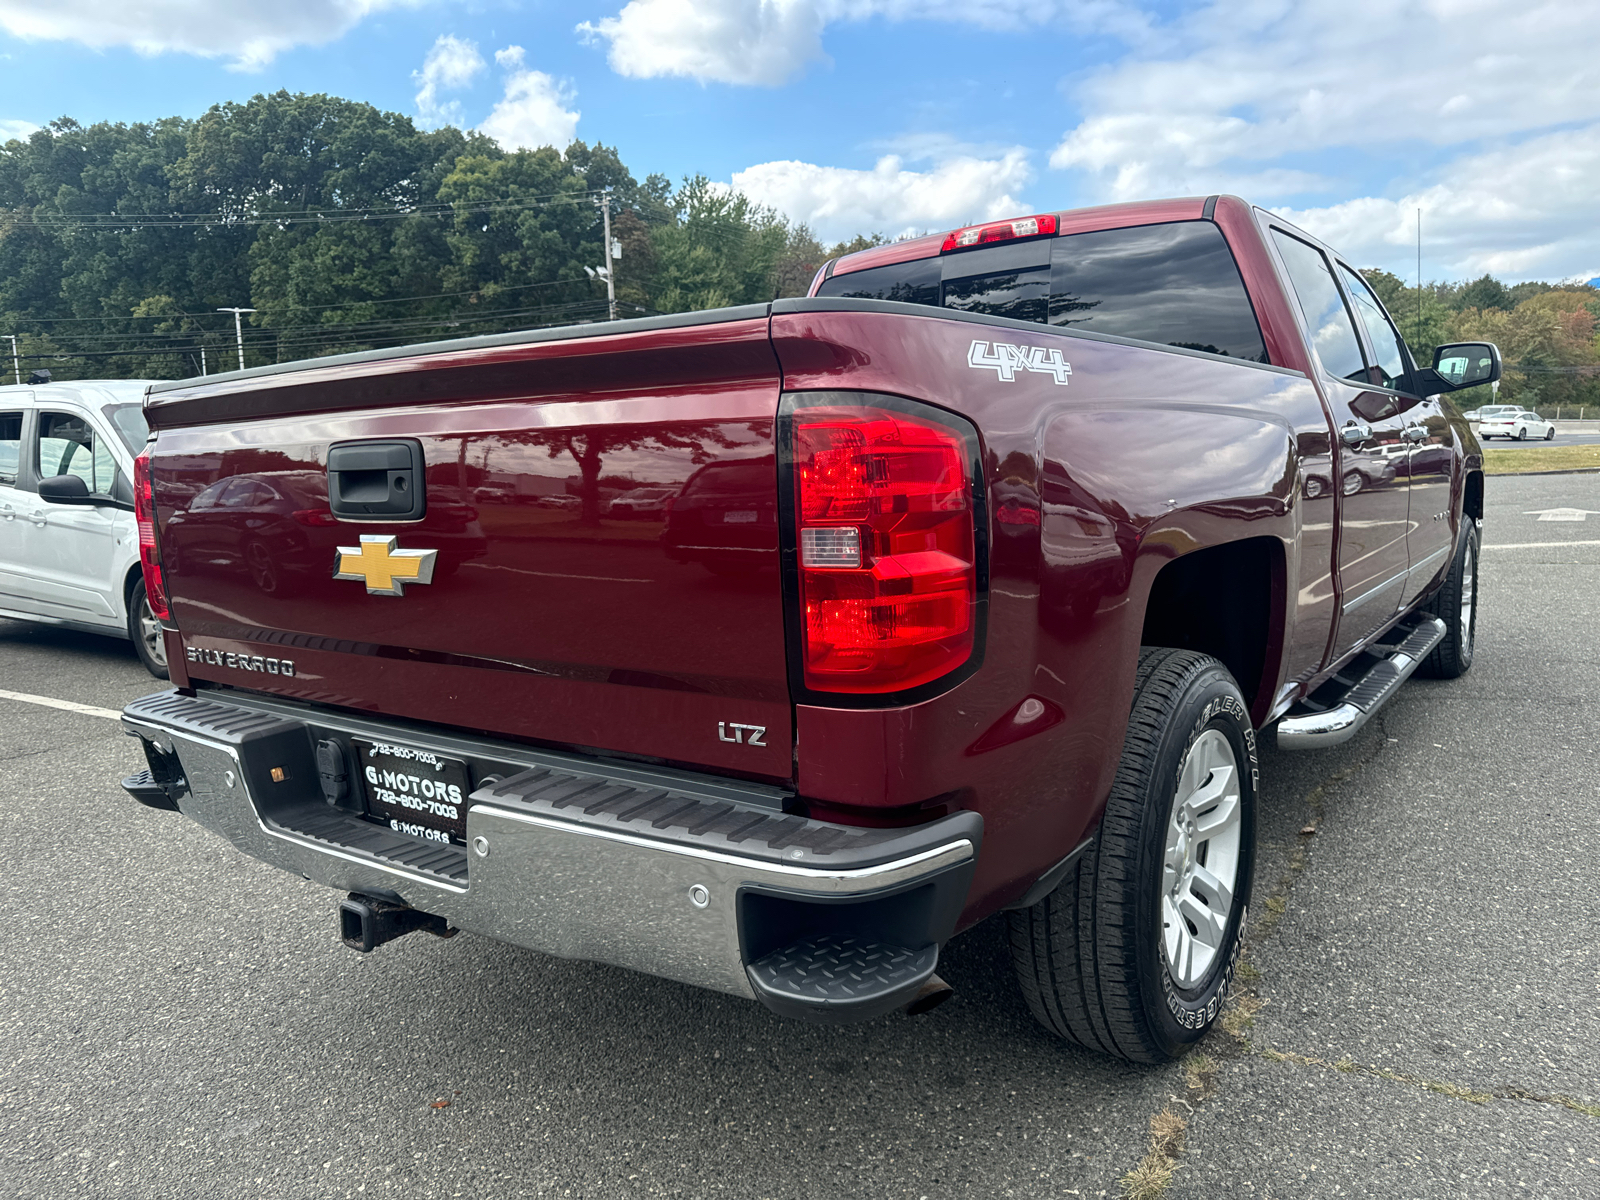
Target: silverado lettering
(999,647)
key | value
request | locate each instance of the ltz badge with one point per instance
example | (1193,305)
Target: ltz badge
(384,569)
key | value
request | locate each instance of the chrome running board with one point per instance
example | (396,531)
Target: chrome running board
(1311,724)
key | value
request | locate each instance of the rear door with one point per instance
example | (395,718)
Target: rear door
(68,551)
(560,625)
(1370,468)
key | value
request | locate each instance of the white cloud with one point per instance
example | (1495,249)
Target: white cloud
(451,64)
(1521,212)
(10,129)
(721,41)
(1219,94)
(250,34)
(533,112)
(769,42)
(1498,101)
(839,203)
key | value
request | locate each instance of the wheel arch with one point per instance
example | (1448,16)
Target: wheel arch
(134,578)
(1227,601)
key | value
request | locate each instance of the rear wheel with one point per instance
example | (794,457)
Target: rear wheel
(1133,952)
(1456,604)
(1522,433)
(145,631)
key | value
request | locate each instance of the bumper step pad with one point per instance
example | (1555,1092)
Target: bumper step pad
(836,978)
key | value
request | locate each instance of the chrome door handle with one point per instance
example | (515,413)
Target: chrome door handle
(1416,433)
(1354,434)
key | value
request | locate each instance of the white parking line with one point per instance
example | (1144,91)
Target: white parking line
(1537,545)
(110,714)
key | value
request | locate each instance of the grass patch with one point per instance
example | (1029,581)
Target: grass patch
(1508,460)
(1151,1178)
(1347,1066)
(1200,1072)
(1239,1017)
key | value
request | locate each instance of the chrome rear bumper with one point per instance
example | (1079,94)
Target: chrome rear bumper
(680,876)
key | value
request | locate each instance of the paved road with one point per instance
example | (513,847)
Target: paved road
(178,1021)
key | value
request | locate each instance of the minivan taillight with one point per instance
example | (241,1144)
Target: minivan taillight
(144,511)
(887,547)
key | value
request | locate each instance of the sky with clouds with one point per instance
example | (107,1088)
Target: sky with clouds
(912,115)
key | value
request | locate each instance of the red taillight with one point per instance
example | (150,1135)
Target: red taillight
(314,516)
(144,511)
(887,548)
(999,231)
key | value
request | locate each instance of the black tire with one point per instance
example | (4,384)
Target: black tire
(1456,604)
(152,652)
(1090,956)
(1550,434)
(1522,434)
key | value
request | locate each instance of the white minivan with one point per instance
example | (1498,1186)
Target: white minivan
(69,544)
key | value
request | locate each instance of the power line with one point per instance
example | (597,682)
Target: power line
(111,222)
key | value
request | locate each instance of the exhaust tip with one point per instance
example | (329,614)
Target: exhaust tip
(929,996)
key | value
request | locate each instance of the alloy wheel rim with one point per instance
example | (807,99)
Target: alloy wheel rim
(150,633)
(1200,867)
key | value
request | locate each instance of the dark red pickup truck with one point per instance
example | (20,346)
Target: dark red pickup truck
(964,586)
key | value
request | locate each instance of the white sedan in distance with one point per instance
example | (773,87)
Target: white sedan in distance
(1520,425)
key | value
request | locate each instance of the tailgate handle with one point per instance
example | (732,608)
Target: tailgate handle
(377,480)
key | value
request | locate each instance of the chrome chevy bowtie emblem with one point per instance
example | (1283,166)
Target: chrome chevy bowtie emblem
(384,569)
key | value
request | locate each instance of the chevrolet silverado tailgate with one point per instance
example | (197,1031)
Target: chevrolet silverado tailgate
(596,566)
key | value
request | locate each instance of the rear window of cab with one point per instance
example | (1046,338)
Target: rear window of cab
(1174,284)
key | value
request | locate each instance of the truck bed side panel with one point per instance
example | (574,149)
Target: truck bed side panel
(1095,484)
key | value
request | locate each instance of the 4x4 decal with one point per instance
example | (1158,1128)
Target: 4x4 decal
(1006,360)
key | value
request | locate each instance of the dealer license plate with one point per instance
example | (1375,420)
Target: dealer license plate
(415,791)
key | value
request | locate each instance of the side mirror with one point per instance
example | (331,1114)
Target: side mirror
(69,489)
(1462,365)
(64,489)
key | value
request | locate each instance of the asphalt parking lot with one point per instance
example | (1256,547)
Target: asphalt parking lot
(1418,1020)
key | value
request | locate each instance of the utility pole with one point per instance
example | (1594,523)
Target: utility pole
(611,282)
(202,358)
(16,363)
(1419,279)
(238,330)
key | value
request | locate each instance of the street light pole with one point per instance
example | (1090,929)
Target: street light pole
(16,363)
(238,330)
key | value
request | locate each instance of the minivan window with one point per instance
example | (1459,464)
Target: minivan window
(10,446)
(67,447)
(128,419)
(1327,319)
(1174,283)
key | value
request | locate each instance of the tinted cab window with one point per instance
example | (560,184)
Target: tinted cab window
(1175,284)
(1392,372)
(1327,319)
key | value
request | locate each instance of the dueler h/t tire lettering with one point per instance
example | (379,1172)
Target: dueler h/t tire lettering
(1094,958)
(1456,604)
